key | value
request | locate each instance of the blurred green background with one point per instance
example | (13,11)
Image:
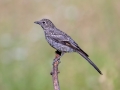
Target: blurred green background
(26,58)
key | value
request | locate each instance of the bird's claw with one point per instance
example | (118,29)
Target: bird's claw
(56,61)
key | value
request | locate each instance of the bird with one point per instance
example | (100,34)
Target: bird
(62,42)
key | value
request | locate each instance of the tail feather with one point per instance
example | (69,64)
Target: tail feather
(90,62)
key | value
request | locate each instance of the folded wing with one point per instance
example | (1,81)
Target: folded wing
(66,40)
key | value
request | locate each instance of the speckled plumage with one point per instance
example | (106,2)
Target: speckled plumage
(61,41)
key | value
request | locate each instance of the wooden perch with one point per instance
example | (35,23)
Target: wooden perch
(55,72)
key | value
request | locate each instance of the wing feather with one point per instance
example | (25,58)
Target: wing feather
(68,41)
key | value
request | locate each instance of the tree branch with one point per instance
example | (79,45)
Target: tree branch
(55,72)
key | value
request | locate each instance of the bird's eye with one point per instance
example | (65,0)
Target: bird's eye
(43,22)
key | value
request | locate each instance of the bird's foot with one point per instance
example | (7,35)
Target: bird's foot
(56,60)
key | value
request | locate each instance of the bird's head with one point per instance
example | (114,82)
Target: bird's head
(45,24)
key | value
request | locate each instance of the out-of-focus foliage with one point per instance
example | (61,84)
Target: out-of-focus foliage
(26,58)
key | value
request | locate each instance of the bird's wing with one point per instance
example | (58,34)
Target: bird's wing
(66,40)
(70,43)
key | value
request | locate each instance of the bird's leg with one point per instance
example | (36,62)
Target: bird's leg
(58,58)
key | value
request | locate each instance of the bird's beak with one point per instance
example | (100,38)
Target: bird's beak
(37,22)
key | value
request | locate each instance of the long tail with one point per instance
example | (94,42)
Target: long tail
(90,62)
